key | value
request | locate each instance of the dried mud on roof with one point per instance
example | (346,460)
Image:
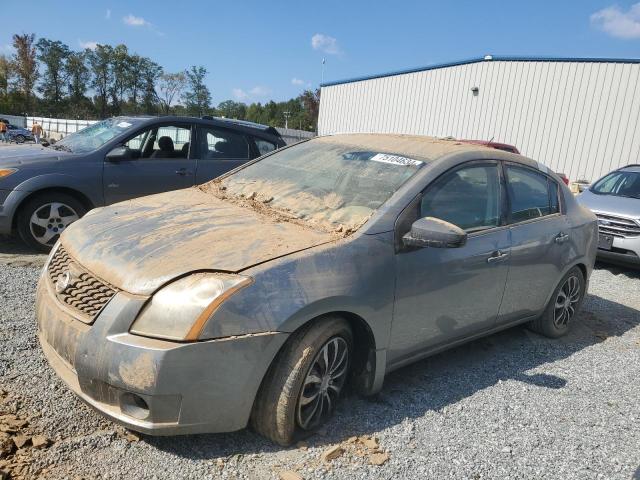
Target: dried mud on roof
(411,146)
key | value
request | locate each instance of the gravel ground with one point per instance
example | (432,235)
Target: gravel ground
(513,405)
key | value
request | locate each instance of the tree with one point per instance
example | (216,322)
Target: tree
(149,73)
(120,65)
(311,103)
(142,76)
(78,75)
(25,66)
(101,82)
(5,75)
(171,86)
(54,55)
(231,109)
(197,98)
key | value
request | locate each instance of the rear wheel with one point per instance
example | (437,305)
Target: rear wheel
(563,306)
(305,382)
(45,217)
(20,139)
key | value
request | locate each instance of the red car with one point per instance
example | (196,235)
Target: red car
(507,148)
(500,146)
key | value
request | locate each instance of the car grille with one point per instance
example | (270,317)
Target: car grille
(85,294)
(618,226)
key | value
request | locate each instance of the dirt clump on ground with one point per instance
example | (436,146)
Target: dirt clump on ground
(18,439)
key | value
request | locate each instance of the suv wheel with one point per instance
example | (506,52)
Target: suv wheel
(563,306)
(304,383)
(45,217)
(20,139)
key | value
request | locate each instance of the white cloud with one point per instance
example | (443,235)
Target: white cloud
(134,21)
(108,14)
(90,45)
(259,91)
(617,22)
(326,44)
(297,81)
(240,94)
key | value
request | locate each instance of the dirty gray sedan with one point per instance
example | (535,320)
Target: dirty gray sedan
(258,298)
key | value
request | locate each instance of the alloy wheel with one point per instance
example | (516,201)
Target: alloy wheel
(50,220)
(566,302)
(323,384)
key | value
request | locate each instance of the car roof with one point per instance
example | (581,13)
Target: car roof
(242,125)
(413,146)
(631,168)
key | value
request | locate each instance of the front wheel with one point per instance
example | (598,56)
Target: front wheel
(304,384)
(44,217)
(20,139)
(563,305)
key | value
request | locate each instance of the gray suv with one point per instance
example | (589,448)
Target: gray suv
(45,189)
(615,199)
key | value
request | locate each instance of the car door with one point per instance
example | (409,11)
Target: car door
(158,160)
(219,151)
(444,294)
(540,243)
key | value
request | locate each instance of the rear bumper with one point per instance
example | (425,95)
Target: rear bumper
(153,386)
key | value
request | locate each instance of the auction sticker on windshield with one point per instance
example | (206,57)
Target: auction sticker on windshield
(395,160)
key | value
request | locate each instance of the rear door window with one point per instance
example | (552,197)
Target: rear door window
(264,147)
(532,194)
(222,144)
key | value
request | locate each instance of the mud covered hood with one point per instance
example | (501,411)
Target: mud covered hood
(141,244)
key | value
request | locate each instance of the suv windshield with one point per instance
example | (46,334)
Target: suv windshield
(332,185)
(93,137)
(620,183)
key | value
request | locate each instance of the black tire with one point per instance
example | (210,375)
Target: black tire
(33,235)
(20,139)
(277,408)
(553,323)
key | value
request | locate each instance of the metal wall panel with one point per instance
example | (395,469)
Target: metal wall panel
(578,117)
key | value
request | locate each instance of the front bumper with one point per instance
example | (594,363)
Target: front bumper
(625,251)
(153,386)
(5,213)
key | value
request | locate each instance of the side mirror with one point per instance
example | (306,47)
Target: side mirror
(435,233)
(118,153)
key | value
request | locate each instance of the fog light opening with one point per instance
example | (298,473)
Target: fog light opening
(134,405)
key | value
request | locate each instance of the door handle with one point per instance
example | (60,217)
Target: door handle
(183,172)
(497,256)
(561,238)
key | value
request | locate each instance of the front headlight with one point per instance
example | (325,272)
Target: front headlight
(180,310)
(5,172)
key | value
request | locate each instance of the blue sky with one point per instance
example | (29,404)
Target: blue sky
(256,51)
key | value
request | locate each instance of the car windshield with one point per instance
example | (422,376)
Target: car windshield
(620,183)
(94,136)
(332,185)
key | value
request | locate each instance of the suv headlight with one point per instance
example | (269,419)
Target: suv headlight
(5,172)
(180,310)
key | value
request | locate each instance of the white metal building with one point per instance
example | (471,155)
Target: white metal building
(579,116)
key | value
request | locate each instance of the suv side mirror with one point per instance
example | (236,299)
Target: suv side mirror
(435,233)
(118,153)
